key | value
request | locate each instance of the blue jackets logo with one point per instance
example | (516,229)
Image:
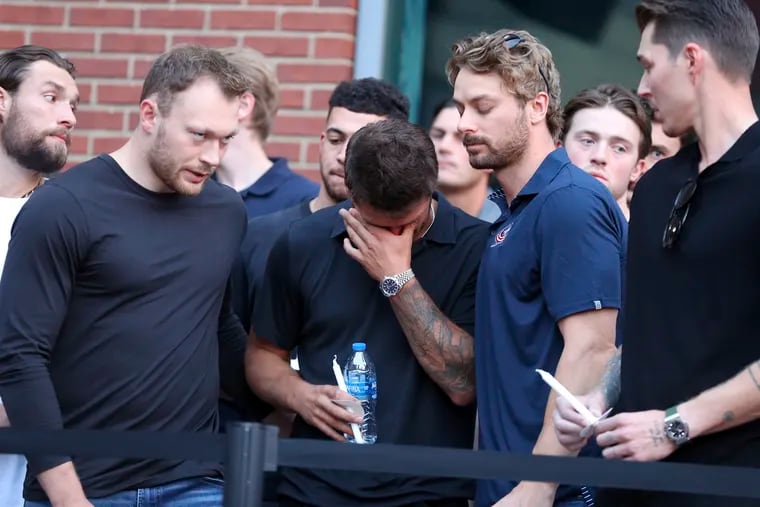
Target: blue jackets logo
(501,235)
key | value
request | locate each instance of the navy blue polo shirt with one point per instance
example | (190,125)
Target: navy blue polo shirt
(315,297)
(277,189)
(558,249)
(259,239)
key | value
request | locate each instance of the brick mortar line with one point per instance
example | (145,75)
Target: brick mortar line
(273,59)
(130,6)
(129,30)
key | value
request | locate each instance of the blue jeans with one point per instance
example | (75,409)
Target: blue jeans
(586,500)
(199,492)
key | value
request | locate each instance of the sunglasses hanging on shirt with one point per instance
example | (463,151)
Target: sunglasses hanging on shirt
(679,213)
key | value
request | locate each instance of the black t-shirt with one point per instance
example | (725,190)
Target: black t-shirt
(315,297)
(691,319)
(111,302)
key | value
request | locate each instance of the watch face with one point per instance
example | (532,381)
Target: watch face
(389,286)
(677,431)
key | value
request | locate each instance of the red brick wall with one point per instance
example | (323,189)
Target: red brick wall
(112,43)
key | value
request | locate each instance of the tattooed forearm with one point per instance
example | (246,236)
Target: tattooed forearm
(611,379)
(754,377)
(445,351)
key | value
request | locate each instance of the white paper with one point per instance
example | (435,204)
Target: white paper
(342,386)
(589,429)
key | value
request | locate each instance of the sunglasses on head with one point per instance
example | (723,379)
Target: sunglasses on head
(679,213)
(512,40)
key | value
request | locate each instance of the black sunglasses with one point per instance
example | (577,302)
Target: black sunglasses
(679,213)
(512,40)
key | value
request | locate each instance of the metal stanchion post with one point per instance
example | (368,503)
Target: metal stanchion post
(251,450)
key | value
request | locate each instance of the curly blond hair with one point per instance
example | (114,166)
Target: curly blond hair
(527,68)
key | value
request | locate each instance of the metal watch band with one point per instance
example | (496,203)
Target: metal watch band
(391,285)
(404,277)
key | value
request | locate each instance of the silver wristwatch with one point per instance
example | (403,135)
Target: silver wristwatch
(391,285)
(676,428)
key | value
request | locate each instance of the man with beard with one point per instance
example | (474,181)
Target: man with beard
(113,312)
(38,97)
(395,268)
(607,132)
(352,105)
(550,280)
(465,187)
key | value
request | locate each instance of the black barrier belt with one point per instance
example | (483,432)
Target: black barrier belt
(440,462)
(405,460)
(107,444)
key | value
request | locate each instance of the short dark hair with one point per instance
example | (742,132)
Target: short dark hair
(727,28)
(15,63)
(617,97)
(445,104)
(390,165)
(179,68)
(370,96)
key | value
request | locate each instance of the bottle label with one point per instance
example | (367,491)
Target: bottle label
(360,387)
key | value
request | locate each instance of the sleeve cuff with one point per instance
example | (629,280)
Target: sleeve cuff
(561,312)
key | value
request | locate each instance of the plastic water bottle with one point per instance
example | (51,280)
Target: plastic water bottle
(361,382)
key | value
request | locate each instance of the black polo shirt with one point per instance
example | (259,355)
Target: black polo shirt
(691,319)
(315,297)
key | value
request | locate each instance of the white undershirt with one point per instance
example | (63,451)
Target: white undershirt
(9,208)
(12,466)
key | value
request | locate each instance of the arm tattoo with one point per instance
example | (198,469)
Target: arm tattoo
(443,349)
(754,378)
(658,435)
(728,416)
(611,379)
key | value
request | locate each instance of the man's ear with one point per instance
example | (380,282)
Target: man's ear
(149,115)
(247,103)
(538,107)
(5,103)
(638,171)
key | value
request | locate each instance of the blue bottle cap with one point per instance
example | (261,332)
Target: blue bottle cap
(359,347)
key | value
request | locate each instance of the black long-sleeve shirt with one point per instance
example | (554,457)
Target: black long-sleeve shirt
(111,304)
